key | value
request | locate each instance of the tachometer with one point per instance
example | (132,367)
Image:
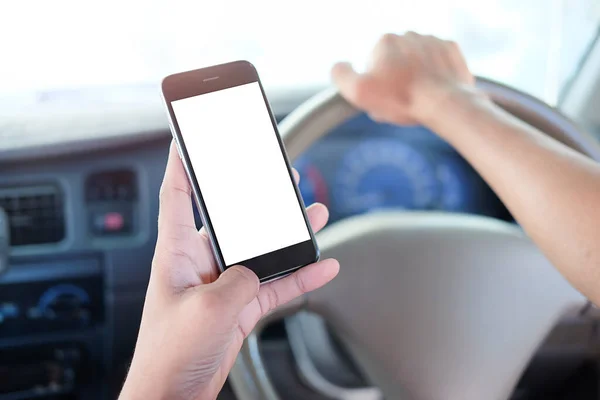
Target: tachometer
(384,173)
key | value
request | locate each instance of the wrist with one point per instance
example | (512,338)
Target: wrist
(439,102)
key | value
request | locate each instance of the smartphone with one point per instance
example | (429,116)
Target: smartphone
(241,177)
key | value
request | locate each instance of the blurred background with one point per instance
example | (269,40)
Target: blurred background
(56,51)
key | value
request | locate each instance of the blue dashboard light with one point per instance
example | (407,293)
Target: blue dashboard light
(382,173)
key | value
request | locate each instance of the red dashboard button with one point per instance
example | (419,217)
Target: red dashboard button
(113,222)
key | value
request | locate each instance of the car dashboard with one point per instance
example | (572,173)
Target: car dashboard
(83,231)
(363,166)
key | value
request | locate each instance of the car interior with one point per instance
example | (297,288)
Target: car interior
(441,295)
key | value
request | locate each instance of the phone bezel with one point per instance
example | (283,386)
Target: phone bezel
(179,86)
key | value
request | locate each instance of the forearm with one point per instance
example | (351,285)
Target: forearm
(551,190)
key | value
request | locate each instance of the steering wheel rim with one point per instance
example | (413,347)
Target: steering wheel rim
(421,359)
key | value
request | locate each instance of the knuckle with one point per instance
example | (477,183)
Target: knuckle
(362,90)
(245,275)
(272,299)
(452,45)
(167,190)
(178,253)
(300,283)
(388,39)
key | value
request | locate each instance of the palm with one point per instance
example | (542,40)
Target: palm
(194,260)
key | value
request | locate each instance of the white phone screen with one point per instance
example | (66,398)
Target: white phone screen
(241,172)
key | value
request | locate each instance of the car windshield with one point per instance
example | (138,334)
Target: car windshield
(71,51)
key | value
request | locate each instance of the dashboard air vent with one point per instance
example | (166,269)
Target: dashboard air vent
(35,214)
(117,185)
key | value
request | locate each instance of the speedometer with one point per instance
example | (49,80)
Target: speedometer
(384,173)
(451,172)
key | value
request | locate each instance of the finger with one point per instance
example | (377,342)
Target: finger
(274,294)
(356,88)
(432,50)
(457,57)
(236,287)
(317,213)
(176,215)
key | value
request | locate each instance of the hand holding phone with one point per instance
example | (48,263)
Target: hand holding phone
(243,184)
(194,320)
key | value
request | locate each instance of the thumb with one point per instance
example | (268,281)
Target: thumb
(237,287)
(176,216)
(356,88)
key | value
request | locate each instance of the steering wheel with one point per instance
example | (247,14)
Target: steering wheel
(429,305)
